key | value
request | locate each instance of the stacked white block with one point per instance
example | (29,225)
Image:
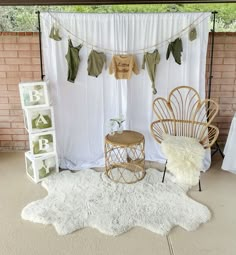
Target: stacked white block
(38,168)
(39,119)
(41,161)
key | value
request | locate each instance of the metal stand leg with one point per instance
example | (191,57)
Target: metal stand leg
(40,46)
(199,184)
(211,76)
(217,149)
(163,178)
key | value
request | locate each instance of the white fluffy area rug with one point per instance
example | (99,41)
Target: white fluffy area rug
(185,157)
(90,199)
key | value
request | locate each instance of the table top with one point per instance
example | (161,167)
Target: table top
(127,137)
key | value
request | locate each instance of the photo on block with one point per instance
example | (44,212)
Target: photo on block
(33,94)
(42,143)
(39,119)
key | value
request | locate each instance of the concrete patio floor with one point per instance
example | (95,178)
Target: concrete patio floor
(19,237)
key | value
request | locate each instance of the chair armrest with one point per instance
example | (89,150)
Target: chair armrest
(210,137)
(161,127)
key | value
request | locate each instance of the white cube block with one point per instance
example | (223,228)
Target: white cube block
(41,167)
(42,143)
(39,119)
(34,94)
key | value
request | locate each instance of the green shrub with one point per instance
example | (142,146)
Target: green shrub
(24,18)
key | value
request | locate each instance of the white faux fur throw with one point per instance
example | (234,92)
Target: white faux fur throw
(184,158)
(89,199)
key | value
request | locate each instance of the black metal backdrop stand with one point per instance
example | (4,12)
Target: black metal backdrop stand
(40,46)
(217,147)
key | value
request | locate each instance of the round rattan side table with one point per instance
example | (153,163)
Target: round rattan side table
(125,156)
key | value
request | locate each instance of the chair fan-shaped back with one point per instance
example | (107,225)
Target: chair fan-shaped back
(184,114)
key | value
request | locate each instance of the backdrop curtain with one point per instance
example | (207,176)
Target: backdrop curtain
(83,109)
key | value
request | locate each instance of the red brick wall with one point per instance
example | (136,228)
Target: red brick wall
(19,61)
(224,79)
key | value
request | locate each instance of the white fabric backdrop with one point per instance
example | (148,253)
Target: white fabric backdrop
(229,162)
(82,109)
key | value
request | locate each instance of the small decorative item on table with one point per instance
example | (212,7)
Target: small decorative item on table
(119,122)
(124,157)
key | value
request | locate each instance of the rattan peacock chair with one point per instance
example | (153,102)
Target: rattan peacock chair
(185,114)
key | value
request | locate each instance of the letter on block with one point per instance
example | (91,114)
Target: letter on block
(39,119)
(33,94)
(42,143)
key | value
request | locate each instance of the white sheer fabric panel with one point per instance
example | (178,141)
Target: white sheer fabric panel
(82,109)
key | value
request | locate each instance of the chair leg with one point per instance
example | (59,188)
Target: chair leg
(163,178)
(217,149)
(199,185)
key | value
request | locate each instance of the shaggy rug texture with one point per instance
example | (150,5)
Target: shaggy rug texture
(184,158)
(90,199)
